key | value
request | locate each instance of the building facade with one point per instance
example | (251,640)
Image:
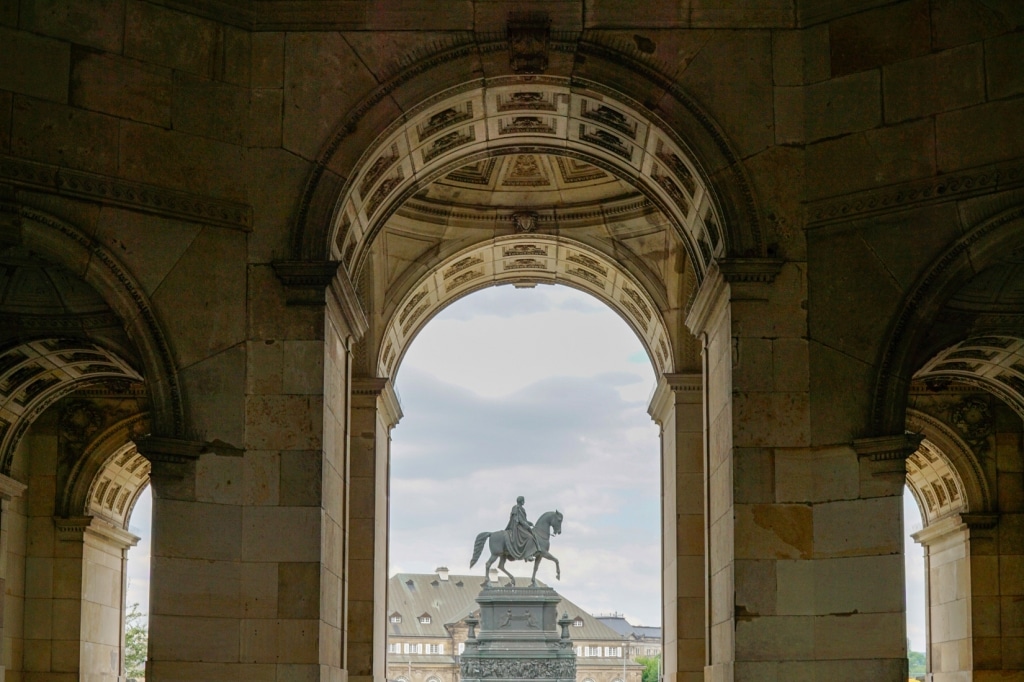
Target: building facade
(427,631)
(222,223)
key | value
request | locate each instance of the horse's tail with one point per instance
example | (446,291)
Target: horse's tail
(478,547)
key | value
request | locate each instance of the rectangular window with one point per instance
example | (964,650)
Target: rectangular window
(435,649)
(462,647)
(394,648)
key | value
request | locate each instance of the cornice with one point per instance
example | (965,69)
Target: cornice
(378,393)
(948,187)
(750,270)
(104,189)
(159,450)
(942,528)
(888,448)
(11,489)
(74,529)
(318,282)
(672,389)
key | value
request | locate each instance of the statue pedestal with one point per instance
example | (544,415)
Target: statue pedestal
(520,638)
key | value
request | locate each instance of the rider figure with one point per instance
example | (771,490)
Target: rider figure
(520,531)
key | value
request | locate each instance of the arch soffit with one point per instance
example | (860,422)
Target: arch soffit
(994,363)
(36,374)
(944,474)
(476,121)
(68,246)
(976,250)
(109,476)
(526,259)
(675,114)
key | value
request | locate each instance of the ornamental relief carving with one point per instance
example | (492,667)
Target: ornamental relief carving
(518,668)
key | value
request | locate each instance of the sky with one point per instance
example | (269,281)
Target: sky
(543,393)
(537,392)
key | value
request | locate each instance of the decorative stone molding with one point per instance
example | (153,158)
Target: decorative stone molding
(519,668)
(750,270)
(159,450)
(942,529)
(888,448)
(322,283)
(74,529)
(378,393)
(949,187)
(674,388)
(11,489)
(116,192)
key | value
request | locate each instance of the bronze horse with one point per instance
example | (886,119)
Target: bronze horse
(548,524)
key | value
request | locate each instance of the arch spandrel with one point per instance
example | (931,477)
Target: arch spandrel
(526,260)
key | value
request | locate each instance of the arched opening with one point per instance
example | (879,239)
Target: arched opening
(529,184)
(73,398)
(540,392)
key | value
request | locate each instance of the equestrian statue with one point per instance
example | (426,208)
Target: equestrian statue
(520,541)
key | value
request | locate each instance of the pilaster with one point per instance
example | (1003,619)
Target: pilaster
(375,411)
(677,407)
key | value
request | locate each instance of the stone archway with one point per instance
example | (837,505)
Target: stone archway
(505,116)
(527,259)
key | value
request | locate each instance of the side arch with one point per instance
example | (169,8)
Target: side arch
(71,248)
(36,374)
(683,122)
(109,476)
(979,248)
(944,474)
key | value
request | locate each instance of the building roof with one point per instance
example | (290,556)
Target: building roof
(622,626)
(449,601)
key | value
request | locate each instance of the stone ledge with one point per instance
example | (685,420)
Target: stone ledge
(117,192)
(949,187)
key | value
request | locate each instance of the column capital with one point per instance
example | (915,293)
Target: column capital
(10,489)
(323,282)
(749,276)
(672,389)
(378,393)
(75,528)
(942,529)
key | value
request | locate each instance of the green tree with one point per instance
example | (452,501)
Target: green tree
(917,664)
(136,640)
(652,665)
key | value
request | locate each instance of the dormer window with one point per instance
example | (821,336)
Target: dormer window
(425,619)
(578,622)
(396,617)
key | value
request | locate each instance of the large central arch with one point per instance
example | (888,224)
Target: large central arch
(507,116)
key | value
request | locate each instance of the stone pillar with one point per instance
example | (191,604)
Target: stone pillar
(10,490)
(963,592)
(804,557)
(678,409)
(375,411)
(248,537)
